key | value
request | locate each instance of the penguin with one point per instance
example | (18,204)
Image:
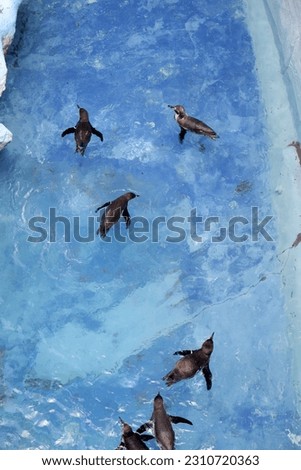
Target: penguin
(132,440)
(191,363)
(82,131)
(160,423)
(114,211)
(189,123)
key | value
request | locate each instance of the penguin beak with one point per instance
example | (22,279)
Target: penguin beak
(121,420)
(170,106)
(211,337)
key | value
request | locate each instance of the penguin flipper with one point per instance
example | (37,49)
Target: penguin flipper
(144,427)
(70,130)
(104,205)
(178,419)
(146,437)
(185,352)
(121,446)
(182,134)
(98,133)
(208,376)
(127,217)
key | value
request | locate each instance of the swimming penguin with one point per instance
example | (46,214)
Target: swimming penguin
(82,131)
(132,440)
(191,363)
(189,123)
(160,424)
(115,209)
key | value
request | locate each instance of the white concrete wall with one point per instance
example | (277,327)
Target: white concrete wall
(8,16)
(275,27)
(285,19)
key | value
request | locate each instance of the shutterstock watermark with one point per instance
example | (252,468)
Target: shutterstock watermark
(175,229)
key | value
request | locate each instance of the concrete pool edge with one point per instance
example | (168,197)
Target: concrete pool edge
(8,14)
(282,115)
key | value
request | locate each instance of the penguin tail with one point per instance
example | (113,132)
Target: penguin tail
(169,380)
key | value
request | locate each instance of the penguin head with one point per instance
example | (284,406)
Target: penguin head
(178,109)
(158,397)
(158,402)
(83,114)
(126,428)
(131,195)
(207,346)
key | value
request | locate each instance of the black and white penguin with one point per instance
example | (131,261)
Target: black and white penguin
(160,424)
(192,362)
(82,131)
(132,440)
(189,123)
(114,210)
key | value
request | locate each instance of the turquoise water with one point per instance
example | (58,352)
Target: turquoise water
(89,327)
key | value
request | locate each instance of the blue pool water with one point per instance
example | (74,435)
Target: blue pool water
(88,328)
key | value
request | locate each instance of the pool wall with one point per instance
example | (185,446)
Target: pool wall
(8,16)
(275,29)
